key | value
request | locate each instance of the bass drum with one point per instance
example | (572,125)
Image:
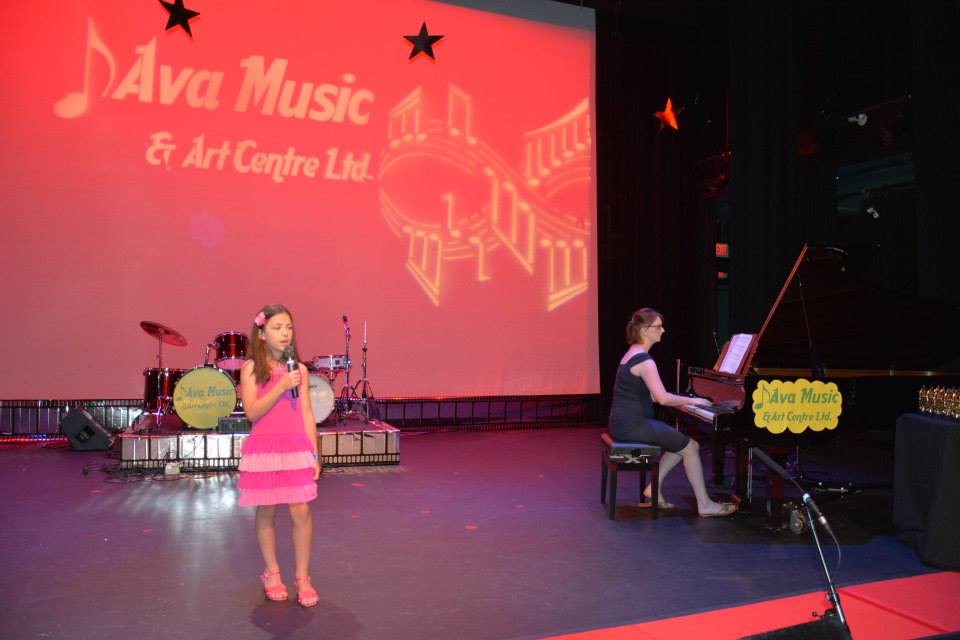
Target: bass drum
(321,398)
(203,396)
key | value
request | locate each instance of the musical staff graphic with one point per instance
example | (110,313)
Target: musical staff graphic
(518,210)
(404,120)
(560,141)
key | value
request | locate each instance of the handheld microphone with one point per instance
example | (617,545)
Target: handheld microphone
(291,367)
(346,327)
(819,517)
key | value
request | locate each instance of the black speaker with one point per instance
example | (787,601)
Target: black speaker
(826,628)
(85,433)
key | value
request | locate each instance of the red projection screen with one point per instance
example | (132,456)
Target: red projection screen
(292,153)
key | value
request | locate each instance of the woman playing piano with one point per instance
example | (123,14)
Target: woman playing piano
(636,388)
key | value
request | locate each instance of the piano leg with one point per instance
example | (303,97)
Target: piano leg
(775,487)
(774,501)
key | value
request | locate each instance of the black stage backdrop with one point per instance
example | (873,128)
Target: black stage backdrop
(937,146)
(655,236)
(792,73)
(799,71)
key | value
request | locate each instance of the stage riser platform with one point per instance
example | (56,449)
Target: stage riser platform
(354,444)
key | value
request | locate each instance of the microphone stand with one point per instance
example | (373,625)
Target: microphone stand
(346,350)
(832,595)
(346,394)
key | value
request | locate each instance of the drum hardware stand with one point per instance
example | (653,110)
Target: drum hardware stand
(206,354)
(170,336)
(161,407)
(350,401)
(366,392)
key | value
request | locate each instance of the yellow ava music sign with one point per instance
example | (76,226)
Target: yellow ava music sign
(781,405)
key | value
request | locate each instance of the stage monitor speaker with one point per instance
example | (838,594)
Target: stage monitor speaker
(85,433)
(826,628)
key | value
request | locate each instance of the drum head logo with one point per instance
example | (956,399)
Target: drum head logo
(203,396)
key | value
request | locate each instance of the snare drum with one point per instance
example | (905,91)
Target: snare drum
(203,396)
(321,398)
(158,386)
(231,349)
(331,365)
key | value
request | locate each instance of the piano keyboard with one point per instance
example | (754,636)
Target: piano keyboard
(709,412)
(704,413)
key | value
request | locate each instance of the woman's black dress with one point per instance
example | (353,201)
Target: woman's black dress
(631,413)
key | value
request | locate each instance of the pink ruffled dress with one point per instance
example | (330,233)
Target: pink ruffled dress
(277,462)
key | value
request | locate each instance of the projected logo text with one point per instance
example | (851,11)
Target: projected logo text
(245,157)
(264,88)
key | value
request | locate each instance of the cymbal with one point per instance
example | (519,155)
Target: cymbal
(165,334)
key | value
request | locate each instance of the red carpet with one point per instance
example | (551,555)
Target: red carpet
(888,610)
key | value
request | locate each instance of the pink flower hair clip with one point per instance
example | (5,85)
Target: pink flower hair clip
(260,319)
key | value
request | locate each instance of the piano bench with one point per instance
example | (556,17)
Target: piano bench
(628,456)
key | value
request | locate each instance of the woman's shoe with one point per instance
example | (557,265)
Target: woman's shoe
(276,592)
(306,594)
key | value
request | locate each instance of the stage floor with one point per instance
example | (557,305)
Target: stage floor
(476,535)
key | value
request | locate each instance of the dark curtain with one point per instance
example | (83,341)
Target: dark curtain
(655,244)
(936,156)
(766,228)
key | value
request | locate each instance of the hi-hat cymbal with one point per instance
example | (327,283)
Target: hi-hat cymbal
(165,334)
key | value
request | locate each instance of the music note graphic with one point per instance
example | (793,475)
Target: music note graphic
(454,232)
(482,275)
(764,394)
(75,104)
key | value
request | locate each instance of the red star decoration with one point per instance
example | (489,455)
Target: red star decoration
(667,117)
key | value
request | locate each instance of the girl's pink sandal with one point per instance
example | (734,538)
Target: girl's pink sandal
(306,595)
(277,592)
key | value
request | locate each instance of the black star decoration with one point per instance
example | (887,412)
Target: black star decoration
(422,42)
(179,15)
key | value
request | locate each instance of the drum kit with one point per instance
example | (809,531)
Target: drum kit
(201,396)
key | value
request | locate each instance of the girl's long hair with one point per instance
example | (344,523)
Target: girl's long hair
(261,354)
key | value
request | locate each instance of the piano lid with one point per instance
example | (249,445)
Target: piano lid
(856,320)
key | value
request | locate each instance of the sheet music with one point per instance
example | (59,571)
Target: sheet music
(733,358)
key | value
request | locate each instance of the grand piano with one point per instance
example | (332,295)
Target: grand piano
(836,319)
